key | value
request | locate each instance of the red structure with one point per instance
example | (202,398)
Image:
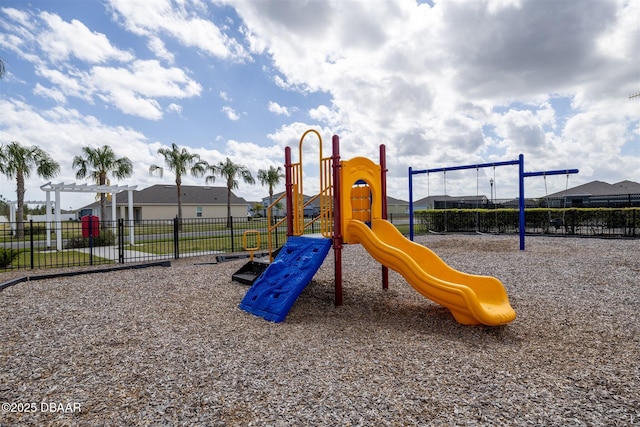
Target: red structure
(90,226)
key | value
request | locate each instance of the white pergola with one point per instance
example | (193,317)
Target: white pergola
(84,188)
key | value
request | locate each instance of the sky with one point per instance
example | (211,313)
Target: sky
(439,83)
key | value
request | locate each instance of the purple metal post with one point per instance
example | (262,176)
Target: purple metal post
(289,190)
(337,220)
(383,196)
(521,201)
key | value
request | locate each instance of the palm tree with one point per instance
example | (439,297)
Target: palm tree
(98,163)
(180,162)
(230,172)
(257,208)
(17,161)
(271,178)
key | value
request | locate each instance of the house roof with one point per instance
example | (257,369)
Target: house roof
(441,198)
(600,188)
(396,202)
(166,195)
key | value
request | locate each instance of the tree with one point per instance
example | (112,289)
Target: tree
(18,161)
(2,69)
(257,208)
(98,163)
(230,171)
(180,161)
(270,178)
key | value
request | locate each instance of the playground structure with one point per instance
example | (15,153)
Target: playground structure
(521,176)
(352,200)
(249,272)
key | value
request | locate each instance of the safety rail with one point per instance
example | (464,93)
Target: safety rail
(272,226)
(326,196)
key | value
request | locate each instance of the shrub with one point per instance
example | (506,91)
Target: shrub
(7,255)
(106,238)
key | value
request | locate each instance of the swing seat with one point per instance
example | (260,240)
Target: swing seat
(557,223)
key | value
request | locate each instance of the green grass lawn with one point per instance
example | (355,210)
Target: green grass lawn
(44,259)
(207,244)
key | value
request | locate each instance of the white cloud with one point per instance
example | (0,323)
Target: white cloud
(133,90)
(64,40)
(21,17)
(175,108)
(276,108)
(130,103)
(73,83)
(50,93)
(133,87)
(230,113)
(157,46)
(161,17)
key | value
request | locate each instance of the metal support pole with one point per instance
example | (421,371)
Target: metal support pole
(288,186)
(31,249)
(410,204)
(121,241)
(521,204)
(176,247)
(337,221)
(383,186)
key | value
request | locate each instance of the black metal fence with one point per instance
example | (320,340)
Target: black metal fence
(75,243)
(78,244)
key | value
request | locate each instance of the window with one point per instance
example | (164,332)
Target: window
(199,211)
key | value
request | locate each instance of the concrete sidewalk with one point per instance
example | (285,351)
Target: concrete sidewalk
(112,253)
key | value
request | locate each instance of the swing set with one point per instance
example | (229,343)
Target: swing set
(521,176)
(556,222)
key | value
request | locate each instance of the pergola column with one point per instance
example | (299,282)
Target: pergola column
(58,223)
(130,203)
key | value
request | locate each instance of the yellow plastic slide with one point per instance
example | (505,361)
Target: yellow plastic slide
(471,299)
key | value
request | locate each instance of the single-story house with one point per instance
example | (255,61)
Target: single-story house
(397,206)
(280,209)
(394,206)
(597,194)
(161,202)
(450,202)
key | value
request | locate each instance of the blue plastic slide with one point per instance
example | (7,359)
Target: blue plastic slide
(275,291)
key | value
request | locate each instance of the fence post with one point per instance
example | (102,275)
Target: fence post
(31,240)
(176,249)
(90,240)
(121,240)
(231,228)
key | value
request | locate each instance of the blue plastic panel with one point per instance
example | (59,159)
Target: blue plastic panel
(274,292)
